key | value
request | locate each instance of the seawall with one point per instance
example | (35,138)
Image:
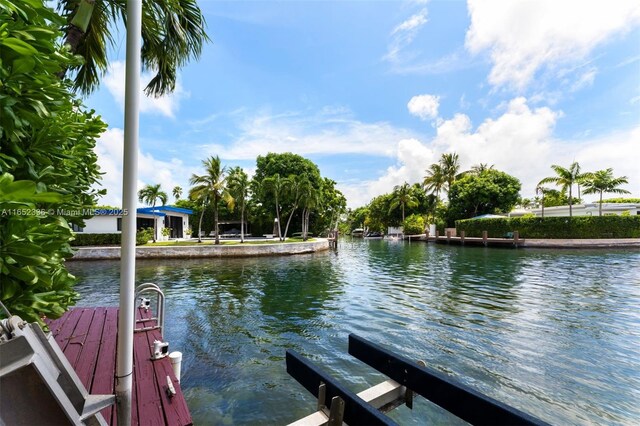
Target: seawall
(204,251)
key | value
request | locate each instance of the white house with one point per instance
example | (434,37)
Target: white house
(589,209)
(110,221)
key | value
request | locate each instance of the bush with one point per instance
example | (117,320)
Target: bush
(555,227)
(413,225)
(142,237)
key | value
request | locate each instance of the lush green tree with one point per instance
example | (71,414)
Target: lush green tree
(490,192)
(331,204)
(358,217)
(565,178)
(211,187)
(238,182)
(477,169)
(310,199)
(177,192)
(413,225)
(403,196)
(283,165)
(173,33)
(149,195)
(48,166)
(603,181)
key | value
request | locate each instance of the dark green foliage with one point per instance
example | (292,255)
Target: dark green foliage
(489,192)
(555,227)
(80,240)
(413,225)
(47,163)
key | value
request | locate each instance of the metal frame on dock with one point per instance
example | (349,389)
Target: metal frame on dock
(406,377)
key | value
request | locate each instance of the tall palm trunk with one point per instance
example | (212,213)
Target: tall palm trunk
(78,28)
(155,221)
(600,206)
(215,219)
(242,224)
(200,224)
(286,229)
(570,203)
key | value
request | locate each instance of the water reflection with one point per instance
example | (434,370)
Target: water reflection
(555,333)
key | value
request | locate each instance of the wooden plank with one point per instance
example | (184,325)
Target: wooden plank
(104,378)
(86,365)
(79,336)
(175,408)
(63,327)
(148,403)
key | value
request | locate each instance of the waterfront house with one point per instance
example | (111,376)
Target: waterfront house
(588,209)
(108,221)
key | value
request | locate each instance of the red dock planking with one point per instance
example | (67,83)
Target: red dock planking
(87,336)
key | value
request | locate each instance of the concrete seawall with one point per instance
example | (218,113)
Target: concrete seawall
(202,251)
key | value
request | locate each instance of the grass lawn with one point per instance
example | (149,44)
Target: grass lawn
(222,242)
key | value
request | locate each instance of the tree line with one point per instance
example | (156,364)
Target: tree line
(287,192)
(478,191)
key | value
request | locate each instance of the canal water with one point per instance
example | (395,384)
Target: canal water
(555,333)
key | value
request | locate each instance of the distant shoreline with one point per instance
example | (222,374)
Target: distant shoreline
(204,251)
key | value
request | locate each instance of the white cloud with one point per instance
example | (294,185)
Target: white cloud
(403,35)
(424,106)
(412,23)
(519,142)
(524,37)
(109,149)
(166,105)
(332,131)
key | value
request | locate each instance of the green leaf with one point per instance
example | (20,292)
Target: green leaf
(23,65)
(19,46)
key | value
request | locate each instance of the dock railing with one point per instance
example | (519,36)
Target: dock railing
(406,379)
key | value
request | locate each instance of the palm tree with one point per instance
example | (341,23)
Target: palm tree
(434,181)
(309,200)
(565,178)
(293,188)
(149,195)
(450,168)
(541,190)
(173,33)
(402,196)
(213,185)
(177,192)
(275,185)
(203,200)
(478,169)
(603,181)
(239,189)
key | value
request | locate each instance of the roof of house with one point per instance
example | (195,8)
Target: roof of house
(153,211)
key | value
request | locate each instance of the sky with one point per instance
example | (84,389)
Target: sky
(375,92)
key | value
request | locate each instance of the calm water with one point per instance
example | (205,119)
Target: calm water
(554,333)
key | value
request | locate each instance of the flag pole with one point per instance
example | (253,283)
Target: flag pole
(124,360)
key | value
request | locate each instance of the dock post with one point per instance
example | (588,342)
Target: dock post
(462,237)
(485,236)
(448,237)
(516,238)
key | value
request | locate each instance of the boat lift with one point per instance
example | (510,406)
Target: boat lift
(406,379)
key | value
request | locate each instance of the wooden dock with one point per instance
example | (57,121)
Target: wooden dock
(476,241)
(87,336)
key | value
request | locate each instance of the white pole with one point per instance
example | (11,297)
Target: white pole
(124,364)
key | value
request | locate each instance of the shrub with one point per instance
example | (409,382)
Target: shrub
(555,227)
(142,237)
(413,225)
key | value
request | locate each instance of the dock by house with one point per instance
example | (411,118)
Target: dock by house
(87,337)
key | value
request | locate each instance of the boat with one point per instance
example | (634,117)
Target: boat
(374,236)
(358,233)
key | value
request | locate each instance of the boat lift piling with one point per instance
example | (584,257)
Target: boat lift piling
(407,378)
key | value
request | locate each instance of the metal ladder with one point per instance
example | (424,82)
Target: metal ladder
(146,303)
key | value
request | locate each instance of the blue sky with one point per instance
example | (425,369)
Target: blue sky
(374,92)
